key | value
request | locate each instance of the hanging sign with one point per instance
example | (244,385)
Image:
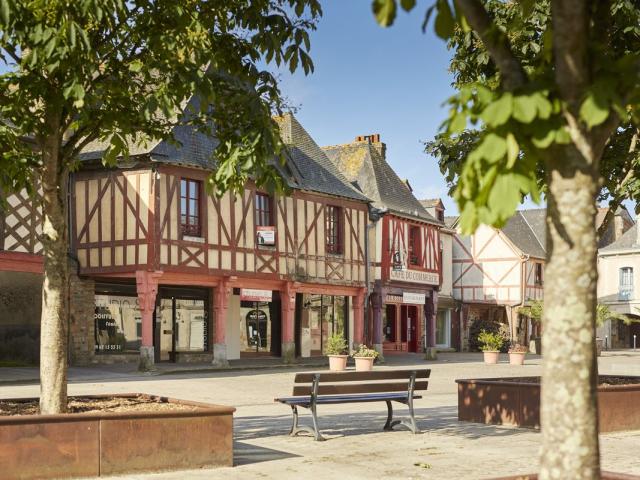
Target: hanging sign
(266,235)
(255,295)
(396,261)
(414,298)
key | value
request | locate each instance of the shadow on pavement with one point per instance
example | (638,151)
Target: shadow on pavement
(441,420)
(246,454)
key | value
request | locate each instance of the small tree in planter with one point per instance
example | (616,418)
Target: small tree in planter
(336,349)
(517,353)
(364,357)
(490,344)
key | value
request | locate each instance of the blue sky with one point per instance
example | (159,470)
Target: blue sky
(370,79)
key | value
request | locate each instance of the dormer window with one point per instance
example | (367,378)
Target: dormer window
(190,194)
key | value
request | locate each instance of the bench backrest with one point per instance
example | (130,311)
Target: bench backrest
(376,381)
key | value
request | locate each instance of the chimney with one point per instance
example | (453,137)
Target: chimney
(374,139)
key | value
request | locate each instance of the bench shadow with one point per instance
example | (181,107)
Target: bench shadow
(441,420)
(247,454)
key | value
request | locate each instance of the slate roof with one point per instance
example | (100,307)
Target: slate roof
(527,230)
(364,164)
(430,202)
(626,241)
(451,221)
(308,167)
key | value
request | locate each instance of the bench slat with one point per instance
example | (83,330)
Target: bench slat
(375,397)
(333,377)
(341,389)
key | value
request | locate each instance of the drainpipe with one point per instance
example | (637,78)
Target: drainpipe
(375,215)
(523,290)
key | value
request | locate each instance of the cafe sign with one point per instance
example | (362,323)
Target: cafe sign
(255,295)
(415,276)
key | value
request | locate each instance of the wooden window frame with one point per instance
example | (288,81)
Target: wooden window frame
(625,290)
(258,212)
(334,224)
(538,280)
(190,229)
(415,253)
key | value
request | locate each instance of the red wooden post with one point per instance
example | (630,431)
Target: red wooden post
(220,307)
(358,317)
(288,302)
(147,289)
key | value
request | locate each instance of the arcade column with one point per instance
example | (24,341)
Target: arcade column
(288,302)
(377,304)
(431,311)
(220,308)
(147,289)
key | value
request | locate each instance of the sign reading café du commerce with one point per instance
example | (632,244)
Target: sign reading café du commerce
(415,276)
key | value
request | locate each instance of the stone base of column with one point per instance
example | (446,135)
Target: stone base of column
(220,355)
(146,363)
(378,348)
(288,352)
(431,353)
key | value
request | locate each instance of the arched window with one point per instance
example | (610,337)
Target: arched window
(625,289)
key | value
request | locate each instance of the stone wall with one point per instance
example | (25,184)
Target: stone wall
(81,319)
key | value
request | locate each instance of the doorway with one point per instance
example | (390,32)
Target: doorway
(409,327)
(181,323)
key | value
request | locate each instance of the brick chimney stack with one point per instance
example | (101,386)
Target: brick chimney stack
(374,139)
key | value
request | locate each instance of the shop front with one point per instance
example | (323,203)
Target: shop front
(317,318)
(260,324)
(403,321)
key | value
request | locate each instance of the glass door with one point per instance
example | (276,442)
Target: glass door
(164,331)
(443,328)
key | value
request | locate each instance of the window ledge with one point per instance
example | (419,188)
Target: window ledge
(189,238)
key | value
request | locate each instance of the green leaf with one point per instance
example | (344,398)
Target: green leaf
(493,148)
(5,12)
(385,11)
(498,112)
(504,197)
(527,7)
(135,66)
(543,105)
(407,5)
(444,20)
(513,150)
(594,110)
(524,108)
(458,123)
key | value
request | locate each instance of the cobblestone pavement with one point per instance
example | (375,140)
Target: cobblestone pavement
(356,446)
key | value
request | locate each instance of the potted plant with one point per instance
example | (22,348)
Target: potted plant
(336,349)
(364,357)
(490,344)
(517,353)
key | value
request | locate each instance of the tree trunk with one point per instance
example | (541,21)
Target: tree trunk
(54,321)
(569,410)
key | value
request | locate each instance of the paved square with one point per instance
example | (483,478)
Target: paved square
(356,447)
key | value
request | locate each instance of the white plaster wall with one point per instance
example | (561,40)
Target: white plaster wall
(447,265)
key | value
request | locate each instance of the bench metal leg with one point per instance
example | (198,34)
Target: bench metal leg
(296,429)
(410,424)
(314,416)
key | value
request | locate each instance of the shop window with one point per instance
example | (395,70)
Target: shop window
(264,210)
(334,229)
(389,323)
(625,288)
(538,274)
(415,245)
(118,324)
(190,193)
(322,316)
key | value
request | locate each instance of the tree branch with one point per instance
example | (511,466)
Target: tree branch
(496,44)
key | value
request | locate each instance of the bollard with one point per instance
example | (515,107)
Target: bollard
(606,342)
(634,342)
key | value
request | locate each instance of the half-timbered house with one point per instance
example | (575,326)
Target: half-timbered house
(169,272)
(405,250)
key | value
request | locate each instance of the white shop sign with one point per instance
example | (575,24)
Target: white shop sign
(266,235)
(255,295)
(415,276)
(414,298)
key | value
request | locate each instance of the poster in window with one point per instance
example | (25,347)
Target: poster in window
(117,324)
(266,235)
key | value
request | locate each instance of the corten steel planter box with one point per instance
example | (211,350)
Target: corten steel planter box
(512,401)
(109,443)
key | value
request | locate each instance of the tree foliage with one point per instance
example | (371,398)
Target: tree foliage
(122,72)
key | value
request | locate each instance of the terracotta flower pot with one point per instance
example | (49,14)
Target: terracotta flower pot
(491,358)
(516,358)
(364,364)
(337,363)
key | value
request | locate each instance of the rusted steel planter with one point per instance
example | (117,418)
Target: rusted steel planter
(605,476)
(106,443)
(512,401)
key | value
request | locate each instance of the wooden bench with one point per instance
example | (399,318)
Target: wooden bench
(313,389)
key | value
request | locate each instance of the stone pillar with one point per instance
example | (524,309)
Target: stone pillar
(220,309)
(464,328)
(358,317)
(377,303)
(288,303)
(147,288)
(430,323)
